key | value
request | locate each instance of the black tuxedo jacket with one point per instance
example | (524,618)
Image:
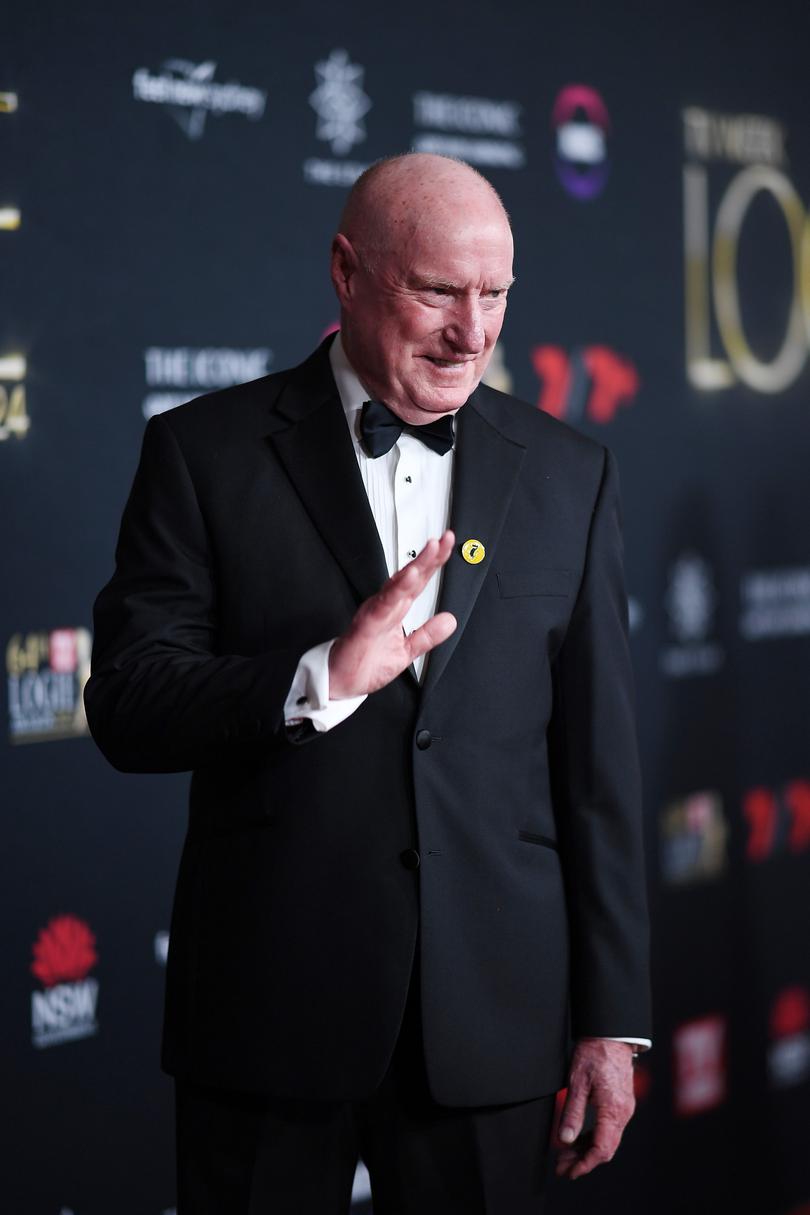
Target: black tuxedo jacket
(512,770)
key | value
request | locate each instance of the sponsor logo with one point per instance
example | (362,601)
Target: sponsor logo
(340,105)
(65,1008)
(690,603)
(176,374)
(778,821)
(694,836)
(46,677)
(700,1065)
(189,93)
(789,1050)
(581,126)
(14,420)
(476,129)
(719,197)
(775,603)
(592,383)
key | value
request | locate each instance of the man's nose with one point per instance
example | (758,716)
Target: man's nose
(465,327)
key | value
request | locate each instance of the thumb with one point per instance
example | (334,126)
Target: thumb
(573,1115)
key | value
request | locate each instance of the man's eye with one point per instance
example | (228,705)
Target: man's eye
(496,293)
(438,290)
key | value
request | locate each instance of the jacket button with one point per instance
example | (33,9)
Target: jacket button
(423,739)
(410,858)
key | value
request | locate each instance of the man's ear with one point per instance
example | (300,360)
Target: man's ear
(344,265)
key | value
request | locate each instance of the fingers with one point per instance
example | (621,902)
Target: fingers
(593,1149)
(573,1115)
(391,603)
(432,633)
(601,1075)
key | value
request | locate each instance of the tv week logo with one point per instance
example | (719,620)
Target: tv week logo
(65,1008)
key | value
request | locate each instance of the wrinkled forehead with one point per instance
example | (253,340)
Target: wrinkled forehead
(450,244)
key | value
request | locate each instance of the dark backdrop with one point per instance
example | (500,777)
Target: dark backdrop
(170,176)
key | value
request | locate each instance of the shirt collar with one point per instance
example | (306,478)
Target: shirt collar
(352,393)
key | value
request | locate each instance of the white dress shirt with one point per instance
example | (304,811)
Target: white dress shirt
(409,494)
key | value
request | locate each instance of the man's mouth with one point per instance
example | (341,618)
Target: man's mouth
(447,362)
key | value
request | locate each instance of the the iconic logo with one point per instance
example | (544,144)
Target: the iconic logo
(775,603)
(713,229)
(189,93)
(14,418)
(581,126)
(476,129)
(64,954)
(590,384)
(176,374)
(789,1050)
(46,677)
(694,836)
(700,1065)
(778,820)
(341,106)
(690,602)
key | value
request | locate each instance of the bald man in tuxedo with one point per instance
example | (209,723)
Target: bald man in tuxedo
(378,610)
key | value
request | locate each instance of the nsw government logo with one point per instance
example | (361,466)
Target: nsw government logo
(189,93)
(46,674)
(65,1008)
(341,105)
(690,602)
(789,1049)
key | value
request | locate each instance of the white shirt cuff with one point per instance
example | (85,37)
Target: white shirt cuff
(642,1043)
(308,697)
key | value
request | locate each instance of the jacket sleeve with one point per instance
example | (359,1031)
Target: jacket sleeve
(161,697)
(597,792)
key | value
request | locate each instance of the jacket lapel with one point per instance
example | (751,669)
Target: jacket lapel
(487,463)
(316,451)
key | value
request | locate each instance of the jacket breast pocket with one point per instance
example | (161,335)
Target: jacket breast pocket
(516,584)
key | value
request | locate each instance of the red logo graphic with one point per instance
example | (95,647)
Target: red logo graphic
(700,1065)
(790,1013)
(592,382)
(64,951)
(778,821)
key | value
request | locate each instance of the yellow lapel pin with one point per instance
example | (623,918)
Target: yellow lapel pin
(473,552)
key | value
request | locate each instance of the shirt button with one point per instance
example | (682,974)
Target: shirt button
(409,479)
(423,739)
(410,858)
(412,553)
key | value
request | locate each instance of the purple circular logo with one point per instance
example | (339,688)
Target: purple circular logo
(581,125)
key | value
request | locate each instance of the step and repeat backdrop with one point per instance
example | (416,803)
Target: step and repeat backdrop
(170,178)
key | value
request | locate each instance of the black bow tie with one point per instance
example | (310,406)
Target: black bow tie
(380,429)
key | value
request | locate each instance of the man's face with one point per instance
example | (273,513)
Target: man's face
(419,327)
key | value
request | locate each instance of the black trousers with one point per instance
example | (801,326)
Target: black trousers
(240,1154)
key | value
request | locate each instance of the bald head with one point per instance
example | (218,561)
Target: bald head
(396,198)
(421,265)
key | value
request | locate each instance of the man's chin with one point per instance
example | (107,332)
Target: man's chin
(441,398)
